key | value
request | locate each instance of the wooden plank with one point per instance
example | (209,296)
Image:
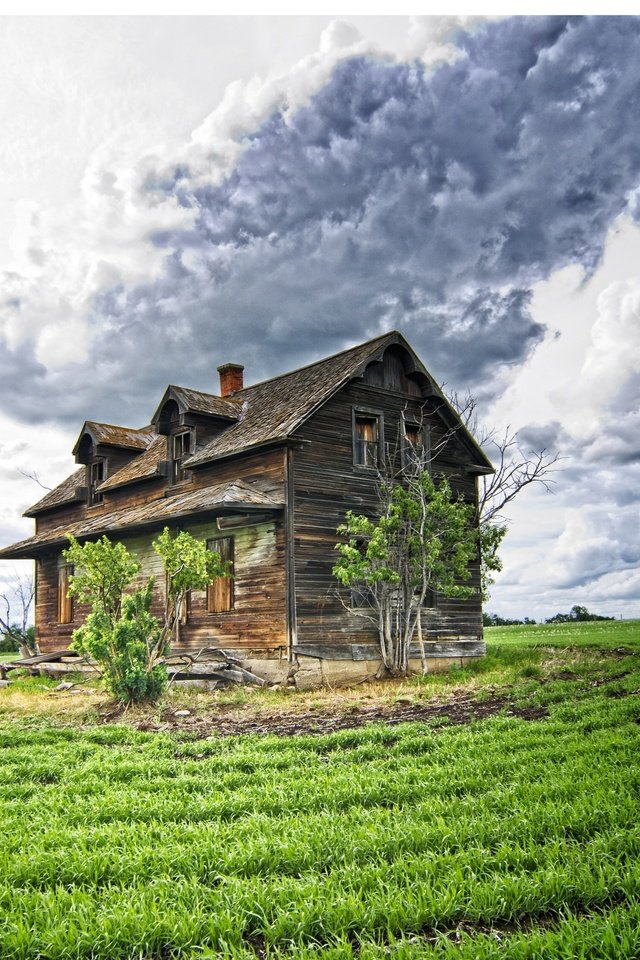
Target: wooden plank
(42,658)
(371,651)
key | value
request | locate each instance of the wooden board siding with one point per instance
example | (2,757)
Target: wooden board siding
(257,620)
(51,634)
(327,484)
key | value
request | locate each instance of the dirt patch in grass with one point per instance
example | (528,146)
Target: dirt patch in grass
(458,710)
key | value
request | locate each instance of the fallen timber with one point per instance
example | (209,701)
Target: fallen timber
(208,664)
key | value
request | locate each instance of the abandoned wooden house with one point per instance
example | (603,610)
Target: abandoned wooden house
(264,474)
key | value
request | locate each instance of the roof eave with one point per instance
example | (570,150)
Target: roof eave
(32,548)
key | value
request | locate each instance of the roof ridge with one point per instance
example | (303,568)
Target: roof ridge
(120,426)
(315,363)
(205,393)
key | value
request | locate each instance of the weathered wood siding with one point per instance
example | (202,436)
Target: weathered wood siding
(327,484)
(258,619)
(51,634)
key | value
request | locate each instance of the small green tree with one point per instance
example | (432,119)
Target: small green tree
(120,633)
(188,565)
(425,538)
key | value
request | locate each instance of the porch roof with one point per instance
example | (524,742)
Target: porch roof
(218,499)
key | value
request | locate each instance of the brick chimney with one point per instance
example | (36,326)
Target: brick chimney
(230,378)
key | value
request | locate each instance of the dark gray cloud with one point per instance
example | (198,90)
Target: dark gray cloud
(395,198)
(547,436)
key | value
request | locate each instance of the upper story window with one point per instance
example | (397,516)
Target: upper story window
(415,444)
(96,473)
(430,599)
(367,438)
(181,449)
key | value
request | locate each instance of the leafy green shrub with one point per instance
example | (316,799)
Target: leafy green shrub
(121,634)
(122,647)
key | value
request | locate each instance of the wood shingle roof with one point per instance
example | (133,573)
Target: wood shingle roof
(265,413)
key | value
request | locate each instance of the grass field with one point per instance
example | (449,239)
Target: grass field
(504,837)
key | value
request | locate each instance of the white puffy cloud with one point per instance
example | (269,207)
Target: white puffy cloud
(579,392)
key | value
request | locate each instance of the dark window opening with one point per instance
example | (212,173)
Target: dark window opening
(97,473)
(65,601)
(181,448)
(220,592)
(366,438)
(415,445)
(361,598)
(430,598)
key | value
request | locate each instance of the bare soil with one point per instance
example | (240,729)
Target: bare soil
(227,722)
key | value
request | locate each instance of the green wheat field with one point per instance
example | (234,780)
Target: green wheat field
(502,837)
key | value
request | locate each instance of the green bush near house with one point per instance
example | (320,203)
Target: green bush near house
(120,633)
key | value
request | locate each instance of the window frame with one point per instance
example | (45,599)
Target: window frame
(93,497)
(360,414)
(65,606)
(177,468)
(423,430)
(229,582)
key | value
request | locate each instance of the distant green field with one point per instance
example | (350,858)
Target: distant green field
(606,634)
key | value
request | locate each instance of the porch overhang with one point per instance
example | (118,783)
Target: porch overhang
(217,501)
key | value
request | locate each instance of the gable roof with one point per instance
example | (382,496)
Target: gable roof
(272,410)
(226,408)
(265,413)
(112,435)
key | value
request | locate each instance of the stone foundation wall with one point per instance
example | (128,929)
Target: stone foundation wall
(304,673)
(312,673)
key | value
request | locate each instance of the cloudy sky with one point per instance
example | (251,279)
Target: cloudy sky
(180,192)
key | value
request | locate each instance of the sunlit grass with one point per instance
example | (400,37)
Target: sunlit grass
(606,634)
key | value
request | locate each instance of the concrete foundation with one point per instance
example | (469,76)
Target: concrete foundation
(304,673)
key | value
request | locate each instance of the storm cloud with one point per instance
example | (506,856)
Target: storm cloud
(399,198)
(357,194)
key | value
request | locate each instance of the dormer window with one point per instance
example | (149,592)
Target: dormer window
(96,474)
(181,449)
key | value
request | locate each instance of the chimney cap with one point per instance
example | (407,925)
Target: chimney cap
(227,367)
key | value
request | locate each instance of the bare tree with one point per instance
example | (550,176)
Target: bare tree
(15,613)
(515,469)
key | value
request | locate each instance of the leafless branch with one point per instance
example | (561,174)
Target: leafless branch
(515,468)
(15,607)
(33,476)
